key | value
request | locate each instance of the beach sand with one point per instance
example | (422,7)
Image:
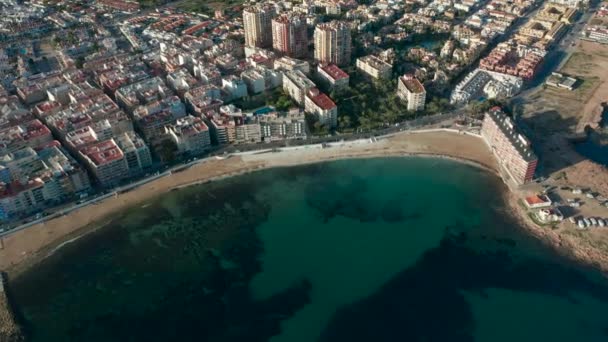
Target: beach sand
(26,247)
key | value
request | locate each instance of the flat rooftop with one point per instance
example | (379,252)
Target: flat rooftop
(412,84)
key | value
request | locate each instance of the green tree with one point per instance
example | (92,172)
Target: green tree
(167,151)
(344,122)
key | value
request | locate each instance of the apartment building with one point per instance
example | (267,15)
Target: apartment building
(291,64)
(32,133)
(410,89)
(190,134)
(319,104)
(141,93)
(248,130)
(510,147)
(261,78)
(374,67)
(333,76)
(222,129)
(106,162)
(290,35)
(203,99)
(136,152)
(257,22)
(33,179)
(333,43)
(296,85)
(279,127)
(234,87)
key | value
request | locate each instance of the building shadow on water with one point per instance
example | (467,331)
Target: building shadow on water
(426,302)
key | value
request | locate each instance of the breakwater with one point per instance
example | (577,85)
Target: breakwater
(9,328)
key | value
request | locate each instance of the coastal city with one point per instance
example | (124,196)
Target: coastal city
(98,98)
(99,94)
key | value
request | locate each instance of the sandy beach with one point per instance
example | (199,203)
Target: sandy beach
(26,247)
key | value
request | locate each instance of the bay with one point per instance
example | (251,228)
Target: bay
(389,249)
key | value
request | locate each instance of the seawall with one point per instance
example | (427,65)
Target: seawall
(9,328)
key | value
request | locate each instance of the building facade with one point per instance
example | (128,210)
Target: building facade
(333,76)
(410,89)
(296,85)
(190,135)
(257,24)
(511,148)
(106,162)
(319,104)
(333,43)
(374,67)
(290,35)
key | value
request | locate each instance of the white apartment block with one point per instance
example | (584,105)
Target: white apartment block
(410,89)
(319,104)
(296,85)
(374,67)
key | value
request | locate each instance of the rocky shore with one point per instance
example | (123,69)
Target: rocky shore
(9,328)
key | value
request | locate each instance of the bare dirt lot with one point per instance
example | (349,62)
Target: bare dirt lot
(552,117)
(551,109)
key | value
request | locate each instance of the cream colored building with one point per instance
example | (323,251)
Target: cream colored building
(374,67)
(333,43)
(412,91)
(257,22)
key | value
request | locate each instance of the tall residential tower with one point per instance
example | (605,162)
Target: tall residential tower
(333,43)
(289,35)
(257,23)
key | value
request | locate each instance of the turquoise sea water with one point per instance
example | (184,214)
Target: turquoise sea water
(408,249)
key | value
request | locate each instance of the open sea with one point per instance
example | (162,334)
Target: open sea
(394,249)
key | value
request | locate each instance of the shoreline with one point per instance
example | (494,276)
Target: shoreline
(24,249)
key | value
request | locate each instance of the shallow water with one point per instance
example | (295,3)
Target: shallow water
(408,249)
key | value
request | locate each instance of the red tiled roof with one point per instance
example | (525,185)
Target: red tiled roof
(321,100)
(335,72)
(536,199)
(103,152)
